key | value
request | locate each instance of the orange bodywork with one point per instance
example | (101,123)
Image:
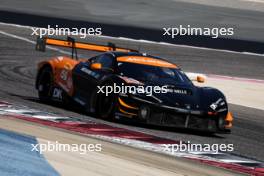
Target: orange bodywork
(125,104)
(229,120)
(85,46)
(62,67)
(62,71)
(146,61)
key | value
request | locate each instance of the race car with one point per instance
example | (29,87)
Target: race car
(124,83)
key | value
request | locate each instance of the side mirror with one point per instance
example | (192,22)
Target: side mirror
(96,66)
(200,79)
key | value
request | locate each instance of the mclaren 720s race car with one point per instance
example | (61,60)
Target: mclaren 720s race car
(123,83)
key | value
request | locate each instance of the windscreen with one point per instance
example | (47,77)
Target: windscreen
(147,73)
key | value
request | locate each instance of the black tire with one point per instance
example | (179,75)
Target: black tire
(45,84)
(106,105)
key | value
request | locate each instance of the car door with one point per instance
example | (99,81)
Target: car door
(86,80)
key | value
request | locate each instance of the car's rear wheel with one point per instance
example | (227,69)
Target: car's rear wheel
(106,104)
(45,83)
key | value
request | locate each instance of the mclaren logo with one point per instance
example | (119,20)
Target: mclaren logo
(146,61)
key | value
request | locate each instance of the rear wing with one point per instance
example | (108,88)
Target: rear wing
(71,43)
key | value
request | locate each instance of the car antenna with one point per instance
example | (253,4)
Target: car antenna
(74,50)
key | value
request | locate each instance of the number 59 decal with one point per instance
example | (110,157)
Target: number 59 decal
(64,75)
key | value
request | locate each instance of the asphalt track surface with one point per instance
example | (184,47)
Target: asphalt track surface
(148,14)
(145,19)
(18,70)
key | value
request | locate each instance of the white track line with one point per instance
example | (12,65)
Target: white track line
(250,82)
(148,41)
(192,75)
(33,42)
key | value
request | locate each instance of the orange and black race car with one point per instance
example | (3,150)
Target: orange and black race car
(125,83)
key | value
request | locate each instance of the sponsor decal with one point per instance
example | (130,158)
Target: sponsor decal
(57,93)
(216,104)
(78,100)
(146,61)
(64,74)
(131,80)
(213,106)
(89,72)
(177,91)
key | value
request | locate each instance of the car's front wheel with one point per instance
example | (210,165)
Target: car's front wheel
(106,104)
